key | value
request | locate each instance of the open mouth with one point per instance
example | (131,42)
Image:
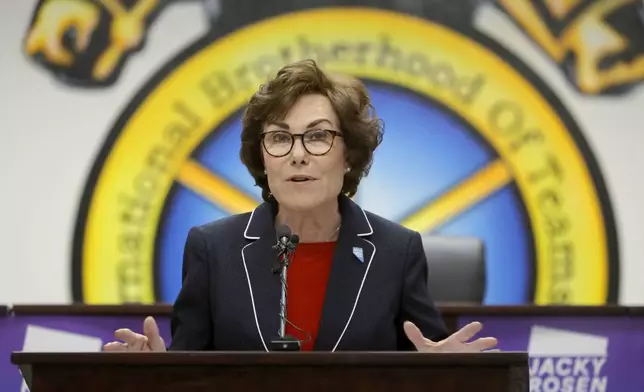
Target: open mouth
(301,179)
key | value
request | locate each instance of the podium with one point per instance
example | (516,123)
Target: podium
(252,371)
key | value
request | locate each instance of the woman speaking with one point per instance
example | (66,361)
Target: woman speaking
(308,266)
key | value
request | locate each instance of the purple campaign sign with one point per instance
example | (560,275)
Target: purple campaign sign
(59,333)
(574,354)
(567,354)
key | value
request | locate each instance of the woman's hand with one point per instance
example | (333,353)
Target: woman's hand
(456,343)
(151,339)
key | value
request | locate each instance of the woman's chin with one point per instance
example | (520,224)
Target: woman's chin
(301,203)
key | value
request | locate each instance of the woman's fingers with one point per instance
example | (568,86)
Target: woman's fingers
(115,346)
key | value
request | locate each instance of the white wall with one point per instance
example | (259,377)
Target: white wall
(44,158)
(615,133)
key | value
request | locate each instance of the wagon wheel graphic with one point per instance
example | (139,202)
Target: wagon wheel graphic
(485,151)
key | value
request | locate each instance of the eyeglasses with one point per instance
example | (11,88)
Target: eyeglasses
(315,141)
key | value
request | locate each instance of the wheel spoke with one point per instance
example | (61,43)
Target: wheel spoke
(215,189)
(475,188)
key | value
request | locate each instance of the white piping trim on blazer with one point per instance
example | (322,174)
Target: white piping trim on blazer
(250,286)
(248,225)
(256,238)
(252,297)
(355,304)
(369,223)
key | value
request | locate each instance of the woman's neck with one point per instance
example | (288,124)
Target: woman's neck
(319,225)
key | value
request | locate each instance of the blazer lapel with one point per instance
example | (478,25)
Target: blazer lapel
(264,286)
(349,269)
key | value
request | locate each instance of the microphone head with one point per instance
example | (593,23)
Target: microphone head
(295,239)
(283,231)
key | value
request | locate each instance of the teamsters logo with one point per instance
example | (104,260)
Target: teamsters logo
(475,145)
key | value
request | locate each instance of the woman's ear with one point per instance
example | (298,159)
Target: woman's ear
(347,165)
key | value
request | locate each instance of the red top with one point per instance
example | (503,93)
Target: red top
(307,279)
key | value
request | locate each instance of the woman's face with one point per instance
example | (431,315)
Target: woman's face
(302,174)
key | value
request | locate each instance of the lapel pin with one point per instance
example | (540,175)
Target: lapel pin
(357,252)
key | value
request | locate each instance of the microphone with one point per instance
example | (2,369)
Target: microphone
(295,239)
(286,243)
(283,236)
(283,245)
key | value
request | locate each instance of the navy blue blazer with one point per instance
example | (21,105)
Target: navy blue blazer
(230,297)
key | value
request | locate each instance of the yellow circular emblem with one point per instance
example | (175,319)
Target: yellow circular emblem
(539,149)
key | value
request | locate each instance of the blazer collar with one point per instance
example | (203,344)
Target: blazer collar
(261,221)
(352,260)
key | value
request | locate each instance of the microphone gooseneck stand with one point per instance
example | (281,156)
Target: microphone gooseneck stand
(285,246)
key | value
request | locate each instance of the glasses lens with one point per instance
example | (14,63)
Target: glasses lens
(278,143)
(318,141)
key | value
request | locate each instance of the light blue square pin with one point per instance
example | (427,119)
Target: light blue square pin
(358,252)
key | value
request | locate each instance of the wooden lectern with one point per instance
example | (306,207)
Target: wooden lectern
(285,371)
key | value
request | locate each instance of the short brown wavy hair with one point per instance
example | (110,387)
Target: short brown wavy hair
(362,130)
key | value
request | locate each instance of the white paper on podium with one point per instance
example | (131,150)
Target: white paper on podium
(43,339)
